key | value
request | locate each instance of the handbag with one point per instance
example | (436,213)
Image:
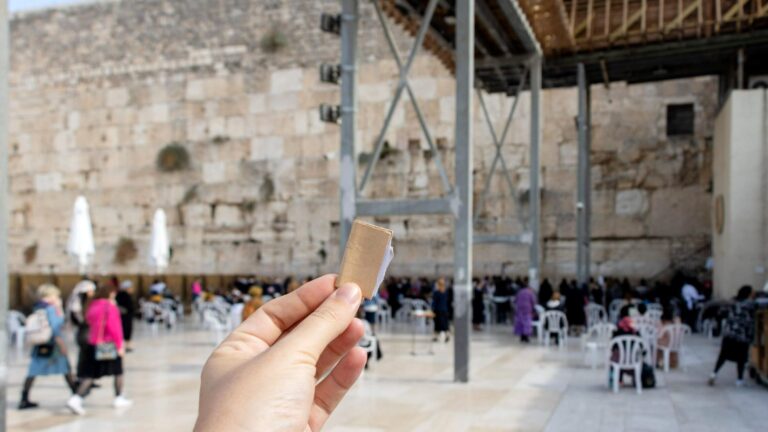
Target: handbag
(105,350)
(44,350)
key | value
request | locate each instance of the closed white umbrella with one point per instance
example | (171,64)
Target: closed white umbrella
(159,247)
(80,243)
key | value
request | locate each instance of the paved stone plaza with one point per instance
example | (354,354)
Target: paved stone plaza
(513,388)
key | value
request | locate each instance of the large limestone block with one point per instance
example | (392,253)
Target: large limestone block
(257,103)
(379,92)
(633,202)
(284,101)
(286,80)
(266,148)
(47,182)
(118,97)
(226,215)
(159,113)
(424,88)
(680,212)
(214,172)
(196,215)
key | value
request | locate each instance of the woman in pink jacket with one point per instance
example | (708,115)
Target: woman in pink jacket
(104,352)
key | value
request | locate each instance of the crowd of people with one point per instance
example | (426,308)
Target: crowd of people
(101,315)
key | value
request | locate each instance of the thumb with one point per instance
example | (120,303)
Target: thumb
(320,328)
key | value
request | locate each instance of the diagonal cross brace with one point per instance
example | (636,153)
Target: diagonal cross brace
(403,84)
(499,157)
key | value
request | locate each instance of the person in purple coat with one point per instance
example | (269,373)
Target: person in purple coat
(525,303)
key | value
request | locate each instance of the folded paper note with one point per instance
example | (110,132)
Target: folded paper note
(366,258)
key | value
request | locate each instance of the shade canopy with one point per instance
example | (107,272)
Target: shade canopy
(80,243)
(160,247)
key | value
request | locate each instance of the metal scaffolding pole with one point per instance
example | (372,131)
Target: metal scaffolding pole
(583,204)
(4,208)
(462,286)
(535,168)
(347,183)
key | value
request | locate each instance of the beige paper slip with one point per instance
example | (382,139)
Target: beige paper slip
(366,258)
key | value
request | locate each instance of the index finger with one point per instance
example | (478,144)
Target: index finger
(269,322)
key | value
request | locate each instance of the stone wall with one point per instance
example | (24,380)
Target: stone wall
(98,90)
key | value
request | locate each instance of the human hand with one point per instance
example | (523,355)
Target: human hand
(121,351)
(263,377)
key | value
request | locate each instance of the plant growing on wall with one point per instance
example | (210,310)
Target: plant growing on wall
(173,157)
(248,206)
(267,189)
(220,139)
(126,250)
(30,254)
(273,41)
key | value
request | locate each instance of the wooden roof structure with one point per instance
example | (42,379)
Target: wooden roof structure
(627,40)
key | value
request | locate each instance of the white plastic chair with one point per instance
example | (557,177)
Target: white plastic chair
(369,342)
(236,315)
(649,332)
(16,329)
(151,313)
(614,309)
(595,314)
(656,307)
(539,323)
(406,309)
(673,336)
(655,315)
(555,322)
(629,356)
(384,313)
(214,321)
(596,340)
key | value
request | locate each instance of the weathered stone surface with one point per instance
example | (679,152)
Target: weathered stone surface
(261,190)
(680,212)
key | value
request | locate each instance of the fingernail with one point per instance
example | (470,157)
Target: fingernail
(349,292)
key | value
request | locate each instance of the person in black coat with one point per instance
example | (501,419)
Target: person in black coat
(125,304)
(440,308)
(545,292)
(478,304)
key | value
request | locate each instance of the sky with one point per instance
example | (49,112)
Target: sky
(20,5)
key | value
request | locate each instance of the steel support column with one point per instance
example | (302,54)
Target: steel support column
(534,264)
(4,208)
(583,183)
(462,277)
(347,183)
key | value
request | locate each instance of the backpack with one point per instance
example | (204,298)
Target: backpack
(740,325)
(37,329)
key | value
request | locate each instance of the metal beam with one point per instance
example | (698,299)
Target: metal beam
(520,25)
(347,175)
(661,50)
(534,265)
(403,207)
(506,61)
(524,238)
(462,274)
(4,209)
(498,142)
(401,85)
(583,182)
(414,103)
